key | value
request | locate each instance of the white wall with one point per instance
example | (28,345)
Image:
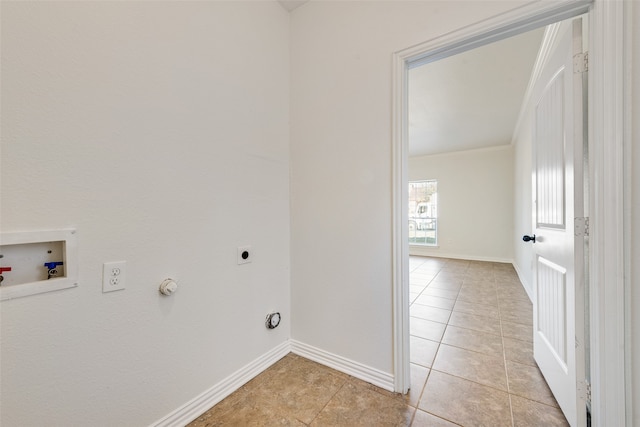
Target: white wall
(475,203)
(341,245)
(163,128)
(159,130)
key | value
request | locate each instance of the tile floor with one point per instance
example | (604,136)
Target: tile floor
(471,364)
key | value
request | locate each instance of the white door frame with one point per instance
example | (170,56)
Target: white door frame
(609,102)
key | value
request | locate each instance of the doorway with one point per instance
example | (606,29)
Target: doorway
(607,19)
(609,141)
(463,124)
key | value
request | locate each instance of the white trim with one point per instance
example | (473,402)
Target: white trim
(400,226)
(415,250)
(200,404)
(546,47)
(530,16)
(414,247)
(607,100)
(519,20)
(366,373)
(524,282)
(632,403)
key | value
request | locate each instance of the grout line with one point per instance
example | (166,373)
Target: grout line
(504,357)
(477,352)
(494,285)
(494,356)
(413,416)
(424,387)
(474,382)
(329,401)
(499,334)
(442,418)
(506,371)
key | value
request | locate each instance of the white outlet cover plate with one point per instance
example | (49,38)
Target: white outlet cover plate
(114,276)
(241,250)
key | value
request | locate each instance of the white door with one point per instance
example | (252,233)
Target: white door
(558,319)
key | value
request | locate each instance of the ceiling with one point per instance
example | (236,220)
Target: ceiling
(471,100)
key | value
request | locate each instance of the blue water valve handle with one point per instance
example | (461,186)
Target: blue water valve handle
(52,265)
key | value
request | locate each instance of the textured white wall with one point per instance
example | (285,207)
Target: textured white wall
(341,246)
(475,203)
(159,130)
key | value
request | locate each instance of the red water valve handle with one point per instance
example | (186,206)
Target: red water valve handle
(3,269)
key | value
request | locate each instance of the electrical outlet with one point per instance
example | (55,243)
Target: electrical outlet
(113,276)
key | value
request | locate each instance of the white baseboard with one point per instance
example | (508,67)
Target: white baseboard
(525,283)
(196,407)
(427,251)
(366,373)
(200,404)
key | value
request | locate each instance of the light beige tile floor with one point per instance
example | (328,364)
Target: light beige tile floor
(471,364)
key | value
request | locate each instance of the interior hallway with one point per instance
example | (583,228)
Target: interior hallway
(471,364)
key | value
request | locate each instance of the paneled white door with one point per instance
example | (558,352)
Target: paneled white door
(558,189)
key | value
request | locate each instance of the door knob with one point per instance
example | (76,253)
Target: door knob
(529,238)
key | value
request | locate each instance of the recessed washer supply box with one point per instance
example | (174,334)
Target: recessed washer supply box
(34,262)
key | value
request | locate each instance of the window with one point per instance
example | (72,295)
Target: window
(423,212)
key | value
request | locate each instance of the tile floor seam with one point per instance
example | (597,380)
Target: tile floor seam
(328,401)
(513,422)
(437,416)
(471,350)
(475,330)
(533,400)
(424,386)
(476,382)
(506,371)
(503,355)
(413,416)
